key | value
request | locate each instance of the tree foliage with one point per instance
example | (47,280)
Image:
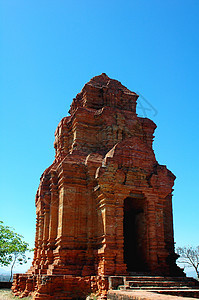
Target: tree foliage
(12,247)
(189,256)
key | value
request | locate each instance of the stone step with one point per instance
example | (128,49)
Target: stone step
(157,278)
(153,283)
(154,288)
(160,283)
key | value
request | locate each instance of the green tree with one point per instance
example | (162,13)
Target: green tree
(12,248)
(189,256)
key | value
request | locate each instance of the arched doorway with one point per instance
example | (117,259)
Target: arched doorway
(135,234)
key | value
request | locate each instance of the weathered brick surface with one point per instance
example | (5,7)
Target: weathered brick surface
(104,183)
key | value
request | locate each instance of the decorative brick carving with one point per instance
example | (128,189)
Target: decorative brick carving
(104,206)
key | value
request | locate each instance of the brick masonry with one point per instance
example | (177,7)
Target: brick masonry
(104,207)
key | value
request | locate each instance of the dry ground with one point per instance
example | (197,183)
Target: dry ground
(6,294)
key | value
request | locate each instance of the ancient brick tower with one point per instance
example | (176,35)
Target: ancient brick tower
(104,207)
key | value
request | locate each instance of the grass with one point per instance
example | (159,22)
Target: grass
(6,294)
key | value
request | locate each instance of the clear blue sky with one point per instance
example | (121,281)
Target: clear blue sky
(50,49)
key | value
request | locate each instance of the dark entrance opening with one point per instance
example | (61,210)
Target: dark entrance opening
(134,226)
